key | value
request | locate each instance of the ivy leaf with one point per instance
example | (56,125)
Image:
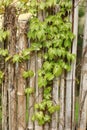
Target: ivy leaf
(25,54)
(28,74)
(49,104)
(49,76)
(47,118)
(57,107)
(67,43)
(47,66)
(36,106)
(52,52)
(47,93)
(42,5)
(47,44)
(36,46)
(42,106)
(17,58)
(42,82)
(1,76)
(50,3)
(39,116)
(51,109)
(57,71)
(8,58)
(3,52)
(29,90)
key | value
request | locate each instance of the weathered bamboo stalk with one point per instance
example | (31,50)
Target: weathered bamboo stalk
(70,80)
(62,103)
(4,104)
(55,93)
(10,25)
(31,97)
(68,101)
(22,44)
(55,97)
(38,66)
(38,90)
(4,84)
(83,85)
(74,51)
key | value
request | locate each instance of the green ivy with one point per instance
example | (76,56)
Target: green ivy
(1,76)
(3,34)
(54,36)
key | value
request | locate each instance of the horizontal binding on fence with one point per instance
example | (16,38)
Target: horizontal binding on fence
(70,79)
(20,94)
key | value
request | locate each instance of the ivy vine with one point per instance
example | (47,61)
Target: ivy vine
(54,36)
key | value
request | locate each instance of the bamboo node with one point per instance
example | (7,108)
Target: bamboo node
(20,94)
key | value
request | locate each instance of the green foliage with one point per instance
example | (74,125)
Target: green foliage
(1,76)
(23,56)
(3,52)
(54,35)
(16,58)
(3,34)
(28,74)
(29,90)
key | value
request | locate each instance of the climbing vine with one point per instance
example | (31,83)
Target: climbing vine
(54,36)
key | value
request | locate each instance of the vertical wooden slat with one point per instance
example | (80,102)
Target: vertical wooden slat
(70,80)
(74,51)
(38,66)
(4,84)
(31,97)
(83,84)
(62,103)
(22,44)
(10,25)
(68,101)
(55,97)
(38,90)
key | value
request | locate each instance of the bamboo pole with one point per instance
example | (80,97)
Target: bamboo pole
(38,90)
(22,44)
(38,66)
(4,84)
(10,96)
(55,97)
(70,80)
(83,85)
(55,93)
(74,51)
(62,103)
(31,97)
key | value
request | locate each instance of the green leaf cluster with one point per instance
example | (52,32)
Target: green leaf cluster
(28,74)
(3,35)
(3,52)
(1,76)
(29,90)
(53,35)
